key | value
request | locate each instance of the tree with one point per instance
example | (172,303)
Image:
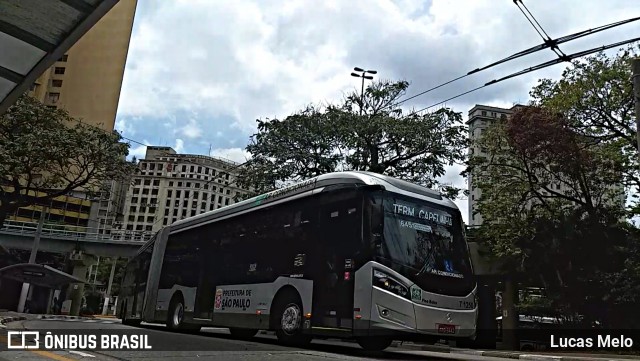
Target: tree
(596,96)
(319,140)
(552,210)
(45,153)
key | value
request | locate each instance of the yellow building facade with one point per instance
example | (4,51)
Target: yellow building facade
(86,82)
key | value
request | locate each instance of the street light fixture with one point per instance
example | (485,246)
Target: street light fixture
(364,76)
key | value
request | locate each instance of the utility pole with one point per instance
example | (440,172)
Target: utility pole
(635,67)
(364,76)
(32,258)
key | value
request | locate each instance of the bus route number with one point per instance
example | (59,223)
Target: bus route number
(467,304)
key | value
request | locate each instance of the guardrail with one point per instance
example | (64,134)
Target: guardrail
(59,231)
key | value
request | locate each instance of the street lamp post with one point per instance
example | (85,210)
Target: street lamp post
(363,75)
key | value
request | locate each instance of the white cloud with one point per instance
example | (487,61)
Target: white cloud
(138,151)
(192,129)
(238,155)
(179,146)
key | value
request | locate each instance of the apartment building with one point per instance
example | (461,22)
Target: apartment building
(480,118)
(171,186)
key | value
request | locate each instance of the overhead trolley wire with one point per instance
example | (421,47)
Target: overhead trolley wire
(539,27)
(548,43)
(533,68)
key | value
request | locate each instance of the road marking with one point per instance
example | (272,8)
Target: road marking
(81,353)
(87,321)
(52,355)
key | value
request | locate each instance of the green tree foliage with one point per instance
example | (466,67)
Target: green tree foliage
(596,95)
(44,153)
(551,210)
(319,140)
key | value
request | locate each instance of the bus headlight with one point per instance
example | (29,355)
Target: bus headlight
(386,282)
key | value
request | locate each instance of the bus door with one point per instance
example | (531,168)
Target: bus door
(338,242)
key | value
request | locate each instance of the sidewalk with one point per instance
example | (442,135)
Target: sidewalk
(520,355)
(10,316)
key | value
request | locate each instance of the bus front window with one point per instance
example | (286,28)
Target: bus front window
(428,243)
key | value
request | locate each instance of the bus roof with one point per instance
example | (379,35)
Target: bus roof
(315,185)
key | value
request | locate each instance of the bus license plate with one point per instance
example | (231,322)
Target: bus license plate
(447,329)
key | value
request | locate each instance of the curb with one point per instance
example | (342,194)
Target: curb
(4,320)
(63,317)
(505,354)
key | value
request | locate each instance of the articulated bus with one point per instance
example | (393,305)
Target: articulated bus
(343,255)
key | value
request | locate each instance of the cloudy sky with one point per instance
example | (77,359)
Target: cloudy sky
(200,72)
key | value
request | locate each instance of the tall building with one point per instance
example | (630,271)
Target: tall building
(86,81)
(171,186)
(480,117)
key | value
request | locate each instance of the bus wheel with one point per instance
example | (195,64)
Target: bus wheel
(175,318)
(289,321)
(373,343)
(243,333)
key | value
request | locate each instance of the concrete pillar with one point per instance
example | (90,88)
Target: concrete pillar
(105,308)
(77,289)
(80,262)
(510,317)
(487,328)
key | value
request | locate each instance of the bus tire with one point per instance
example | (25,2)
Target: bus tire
(243,333)
(289,319)
(175,317)
(374,343)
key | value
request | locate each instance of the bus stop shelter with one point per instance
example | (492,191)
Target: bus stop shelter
(34,34)
(38,275)
(46,279)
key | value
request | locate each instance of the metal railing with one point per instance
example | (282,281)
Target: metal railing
(71,232)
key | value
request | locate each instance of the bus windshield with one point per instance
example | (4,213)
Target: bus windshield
(428,240)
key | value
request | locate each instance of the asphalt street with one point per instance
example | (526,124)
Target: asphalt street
(220,344)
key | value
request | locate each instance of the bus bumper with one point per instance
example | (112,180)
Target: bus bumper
(394,315)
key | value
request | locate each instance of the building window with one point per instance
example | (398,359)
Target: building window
(64,58)
(145,191)
(150,219)
(138,181)
(52,107)
(139,227)
(147,182)
(171,184)
(59,70)
(484,113)
(154,192)
(132,218)
(54,97)
(132,209)
(140,218)
(169,192)
(134,200)
(56,83)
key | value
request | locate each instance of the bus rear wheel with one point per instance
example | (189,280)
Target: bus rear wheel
(175,317)
(374,343)
(289,321)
